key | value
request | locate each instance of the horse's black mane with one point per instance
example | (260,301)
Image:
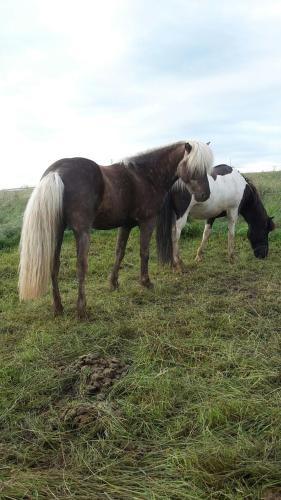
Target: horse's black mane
(254,191)
(253,188)
(252,200)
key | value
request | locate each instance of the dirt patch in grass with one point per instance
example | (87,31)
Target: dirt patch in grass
(272,494)
(234,285)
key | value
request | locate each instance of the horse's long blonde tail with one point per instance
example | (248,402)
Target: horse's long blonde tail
(41,221)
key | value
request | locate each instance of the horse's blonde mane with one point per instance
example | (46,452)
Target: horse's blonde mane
(200,158)
(179,185)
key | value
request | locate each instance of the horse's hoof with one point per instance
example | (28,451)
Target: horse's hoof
(81,311)
(179,267)
(58,311)
(113,285)
(81,314)
(198,258)
(147,284)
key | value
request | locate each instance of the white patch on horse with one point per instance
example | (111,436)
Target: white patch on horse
(226,192)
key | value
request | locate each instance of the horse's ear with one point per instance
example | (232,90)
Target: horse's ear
(188,147)
(208,143)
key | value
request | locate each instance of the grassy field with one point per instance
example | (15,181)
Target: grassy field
(195,413)
(12,205)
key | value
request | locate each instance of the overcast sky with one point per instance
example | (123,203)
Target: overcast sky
(105,79)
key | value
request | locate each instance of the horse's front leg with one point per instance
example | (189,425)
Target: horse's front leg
(232,216)
(122,238)
(206,235)
(82,245)
(177,262)
(146,230)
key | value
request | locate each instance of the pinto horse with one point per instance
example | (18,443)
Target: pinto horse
(231,194)
(80,194)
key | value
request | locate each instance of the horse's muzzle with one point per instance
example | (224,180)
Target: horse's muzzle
(261,252)
(201,197)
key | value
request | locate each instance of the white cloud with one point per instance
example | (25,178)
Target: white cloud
(103,80)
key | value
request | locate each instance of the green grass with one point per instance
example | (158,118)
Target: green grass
(196,416)
(12,205)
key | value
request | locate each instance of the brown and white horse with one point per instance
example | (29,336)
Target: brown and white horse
(79,194)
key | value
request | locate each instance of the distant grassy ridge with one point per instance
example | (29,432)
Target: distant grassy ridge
(13,202)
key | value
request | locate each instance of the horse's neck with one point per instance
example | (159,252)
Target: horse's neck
(252,209)
(159,167)
(170,165)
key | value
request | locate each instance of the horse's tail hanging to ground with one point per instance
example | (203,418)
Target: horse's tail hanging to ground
(165,220)
(41,221)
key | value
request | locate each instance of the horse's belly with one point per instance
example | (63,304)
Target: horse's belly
(104,220)
(206,210)
(115,208)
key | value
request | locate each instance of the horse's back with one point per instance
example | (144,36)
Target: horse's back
(74,169)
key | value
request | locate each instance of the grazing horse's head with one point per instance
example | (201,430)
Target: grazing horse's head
(258,236)
(260,224)
(193,169)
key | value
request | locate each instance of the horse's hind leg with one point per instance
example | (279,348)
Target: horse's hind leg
(58,308)
(146,229)
(206,235)
(122,238)
(82,246)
